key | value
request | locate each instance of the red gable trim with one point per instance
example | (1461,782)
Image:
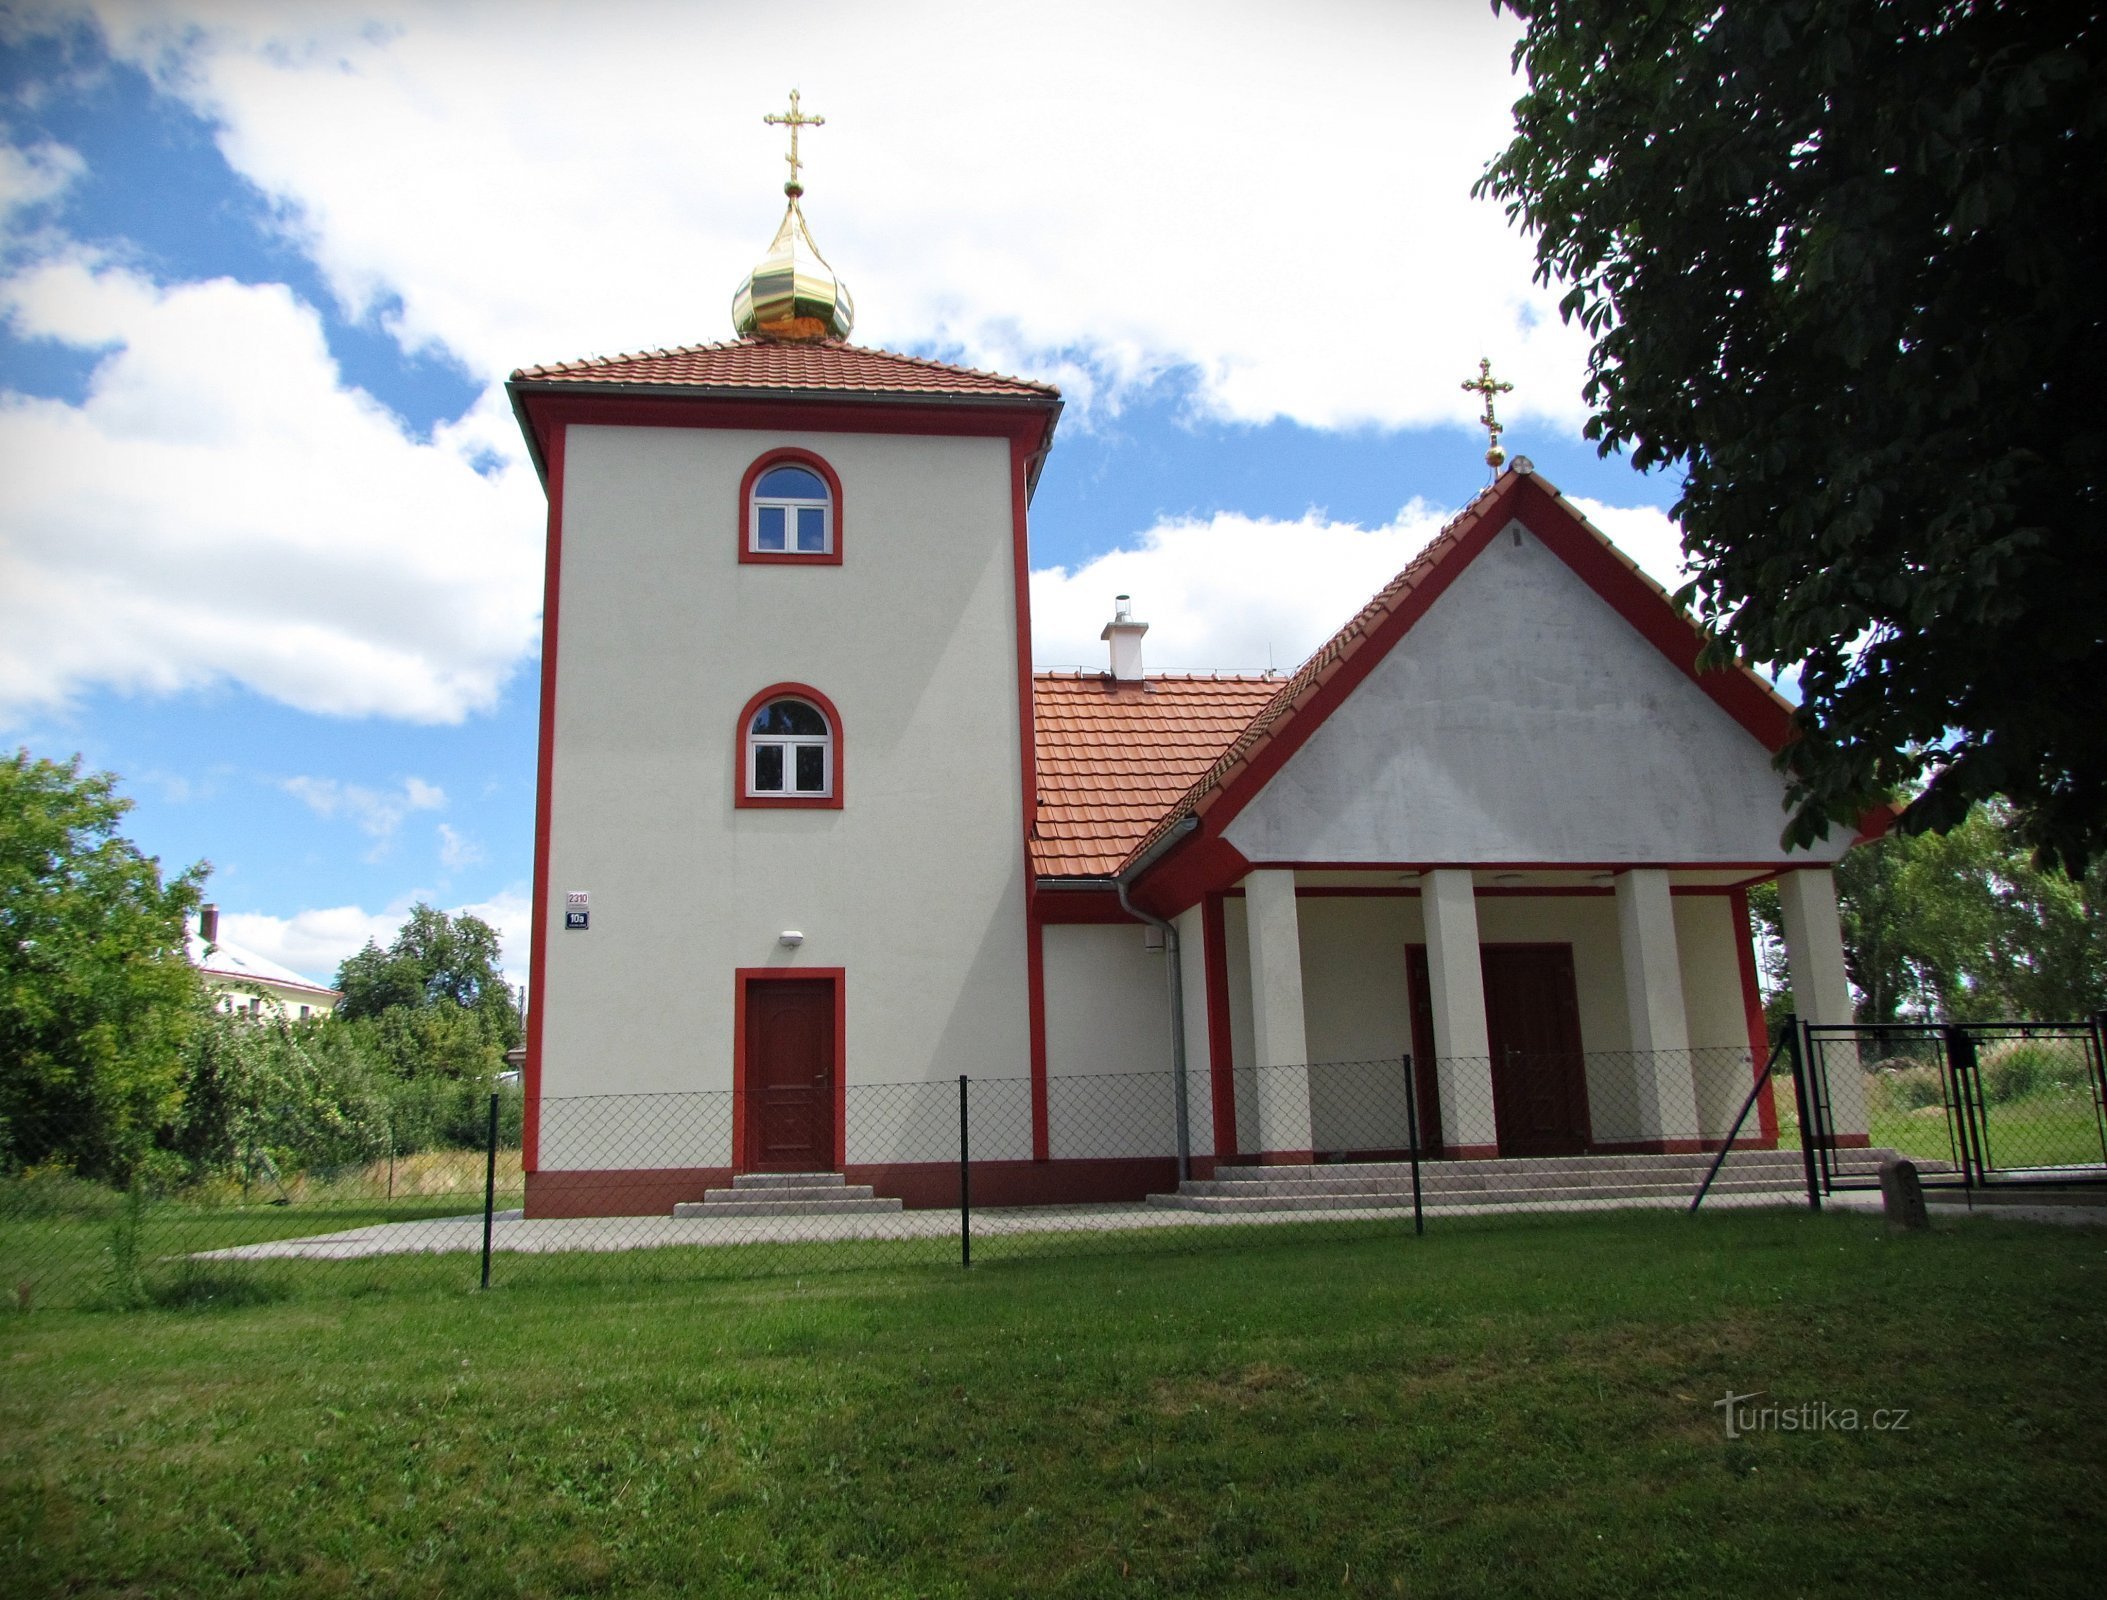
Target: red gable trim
(1206,861)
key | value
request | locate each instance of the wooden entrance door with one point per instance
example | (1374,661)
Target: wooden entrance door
(1539,1076)
(790,1075)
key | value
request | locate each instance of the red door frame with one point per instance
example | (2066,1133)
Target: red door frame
(742,980)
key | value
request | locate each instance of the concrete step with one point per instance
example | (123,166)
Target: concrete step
(1498,1195)
(1530,1165)
(787,1180)
(800,1193)
(762,1206)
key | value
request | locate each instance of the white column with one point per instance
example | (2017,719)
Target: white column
(1653,1000)
(1455,972)
(1821,987)
(1282,1083)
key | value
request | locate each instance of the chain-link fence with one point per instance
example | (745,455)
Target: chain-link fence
(789,1181)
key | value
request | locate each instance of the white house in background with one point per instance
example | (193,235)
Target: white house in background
(809,824)
(245,983)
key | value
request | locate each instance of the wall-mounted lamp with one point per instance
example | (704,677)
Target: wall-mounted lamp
(790,938)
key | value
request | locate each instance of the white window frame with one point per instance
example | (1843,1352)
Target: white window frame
(791,505)
(790,744)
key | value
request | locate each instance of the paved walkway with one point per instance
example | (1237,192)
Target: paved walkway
(513,1233)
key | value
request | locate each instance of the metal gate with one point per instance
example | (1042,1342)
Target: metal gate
(1978,1103)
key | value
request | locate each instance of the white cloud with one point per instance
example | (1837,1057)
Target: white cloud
(316,942)
(1645,533)
(377,815)
(1275,196)
(457,849)
(222,508)
(30,174)
(1230,592)
(1237,592)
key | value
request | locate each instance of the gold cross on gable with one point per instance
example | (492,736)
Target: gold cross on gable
(1487,385)
(794,121)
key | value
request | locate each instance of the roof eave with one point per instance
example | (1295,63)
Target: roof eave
(520,390)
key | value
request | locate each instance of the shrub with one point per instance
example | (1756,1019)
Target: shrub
(2029,1067)
(1905,1087)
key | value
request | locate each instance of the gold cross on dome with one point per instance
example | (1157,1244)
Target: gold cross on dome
(1487,385)
(794,121)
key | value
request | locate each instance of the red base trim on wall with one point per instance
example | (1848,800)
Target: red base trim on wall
(922,1185)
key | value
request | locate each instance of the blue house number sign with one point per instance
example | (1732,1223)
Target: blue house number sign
(577,910)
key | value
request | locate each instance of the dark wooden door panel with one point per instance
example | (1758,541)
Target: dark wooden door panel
(1539,1076)
(790,1076)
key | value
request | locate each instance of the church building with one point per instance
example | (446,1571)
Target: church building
(814,840)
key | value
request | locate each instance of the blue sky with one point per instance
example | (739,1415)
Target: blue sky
(269,548)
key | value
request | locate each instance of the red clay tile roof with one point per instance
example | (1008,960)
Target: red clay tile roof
(768,364)
(1113,757)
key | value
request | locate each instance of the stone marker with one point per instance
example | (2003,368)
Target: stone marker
(1902,1195)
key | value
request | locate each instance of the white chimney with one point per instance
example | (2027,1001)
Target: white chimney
(1125,634)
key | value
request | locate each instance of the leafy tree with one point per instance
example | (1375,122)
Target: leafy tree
(1964,927)
(97,997)
(1840,260)
(437,968)
(300,1093)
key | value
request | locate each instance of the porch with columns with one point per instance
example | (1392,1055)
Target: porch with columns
(1636,1036)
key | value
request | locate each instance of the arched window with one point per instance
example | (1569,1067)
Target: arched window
(789,749)
(790,510)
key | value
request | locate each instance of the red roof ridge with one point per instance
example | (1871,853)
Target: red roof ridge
(1196,675)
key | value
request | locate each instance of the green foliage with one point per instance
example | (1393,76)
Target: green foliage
(97,999)
(1839,259)
(2027,1067)
(436,964)
(1964,927)
(300,1094)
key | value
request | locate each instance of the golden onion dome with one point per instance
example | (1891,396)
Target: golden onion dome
(793,294)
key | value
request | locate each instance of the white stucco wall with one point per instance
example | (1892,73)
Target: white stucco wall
(915,887)
(1359,1021)
(1522,719)
(1108,1044)
(1358,1017)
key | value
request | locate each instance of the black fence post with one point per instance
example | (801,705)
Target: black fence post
(1419,1219)
(489,1189)
(965,1179)
(1803,1103)
(1961,1066)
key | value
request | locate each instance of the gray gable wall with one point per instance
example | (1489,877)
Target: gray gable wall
(1522,719)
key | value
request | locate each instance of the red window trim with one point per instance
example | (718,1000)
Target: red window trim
(787,455)
(742,797)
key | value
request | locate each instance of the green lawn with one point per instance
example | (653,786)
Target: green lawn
(1501,1408)
(2046,1130)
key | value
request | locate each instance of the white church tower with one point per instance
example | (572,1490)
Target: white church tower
(786,772)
